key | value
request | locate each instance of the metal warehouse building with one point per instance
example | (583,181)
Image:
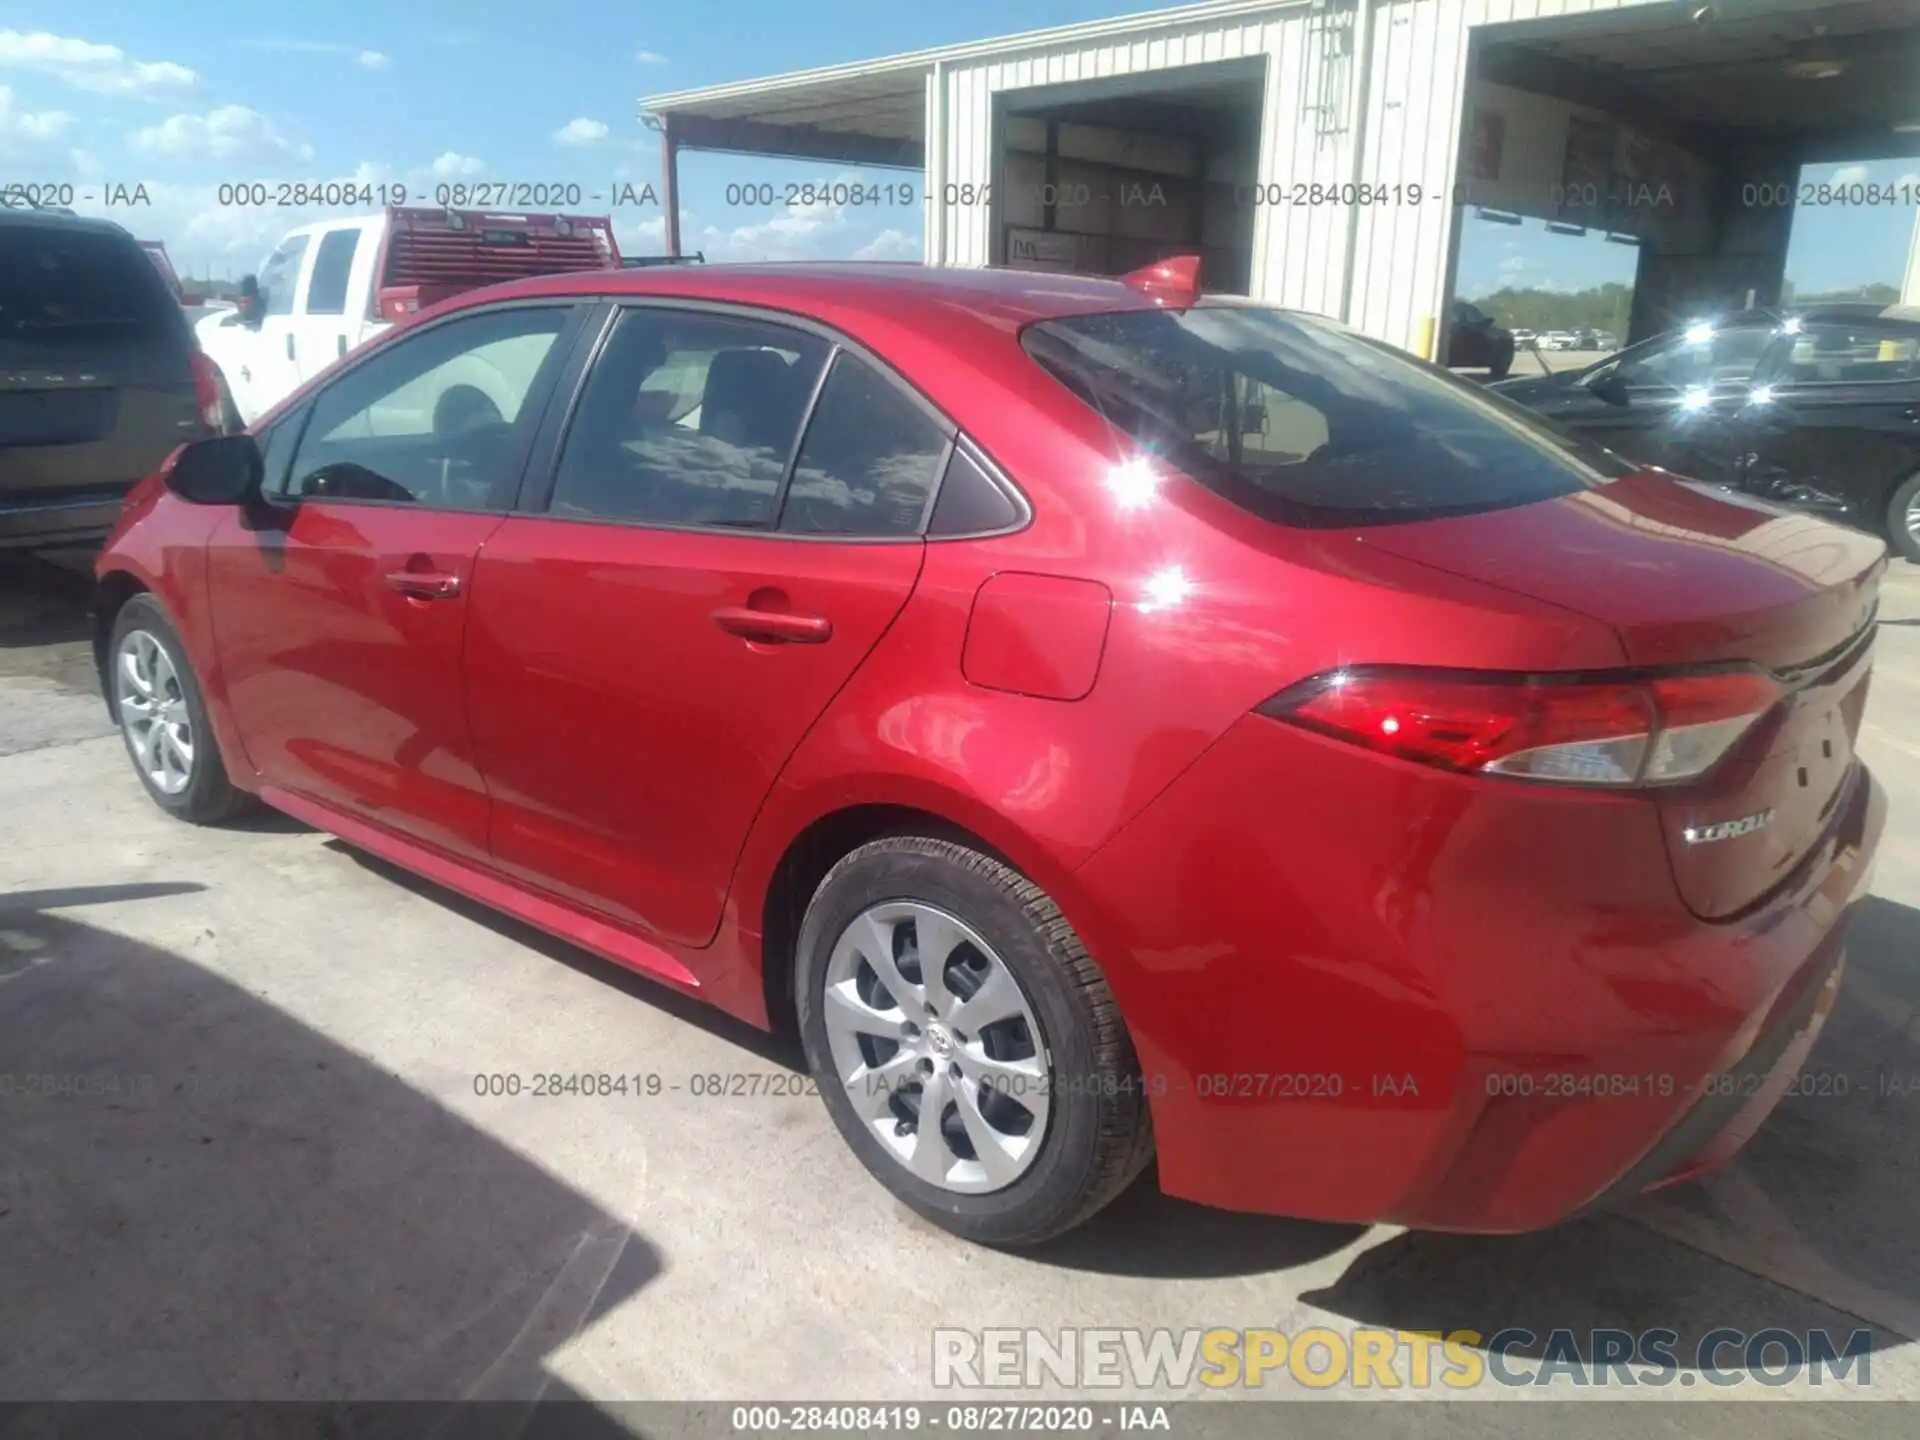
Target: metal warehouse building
(1327,154)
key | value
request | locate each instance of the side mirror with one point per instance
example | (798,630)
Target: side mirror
(1609,387)
(224,470)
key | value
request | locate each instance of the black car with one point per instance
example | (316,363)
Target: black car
(1817,408)
(1476,341)
(100,376)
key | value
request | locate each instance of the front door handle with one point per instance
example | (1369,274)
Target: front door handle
(340,347)
(290,345)
(773,627)
(425,584)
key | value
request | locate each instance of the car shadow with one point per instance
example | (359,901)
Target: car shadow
(1809,1228)
(202,1198)
(43,603)
(775,1049)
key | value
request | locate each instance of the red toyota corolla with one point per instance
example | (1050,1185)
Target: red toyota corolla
(1104,721)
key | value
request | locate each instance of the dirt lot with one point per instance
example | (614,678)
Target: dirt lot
(295,1190)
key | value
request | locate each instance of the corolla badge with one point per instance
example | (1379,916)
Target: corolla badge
(1727,829)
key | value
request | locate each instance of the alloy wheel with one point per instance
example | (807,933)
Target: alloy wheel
(1913,518)
(937,1046)
(153,711)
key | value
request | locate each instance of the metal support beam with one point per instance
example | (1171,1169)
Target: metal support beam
(804,142)
(670,181)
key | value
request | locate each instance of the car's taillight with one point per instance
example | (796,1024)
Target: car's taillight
(206,390)
(1585,731)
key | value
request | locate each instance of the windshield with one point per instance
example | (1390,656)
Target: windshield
(1304,422)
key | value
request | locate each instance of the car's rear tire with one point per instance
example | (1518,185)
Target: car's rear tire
(1903,519)
(1043,1116)
(163,718)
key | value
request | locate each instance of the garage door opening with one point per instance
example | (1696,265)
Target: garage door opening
(1695,132)
(1105,176)
(1561,292)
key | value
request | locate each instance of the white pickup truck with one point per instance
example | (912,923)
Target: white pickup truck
(329,286)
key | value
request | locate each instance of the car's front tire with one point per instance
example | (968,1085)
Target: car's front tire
(1903,519)
(966,1045)
(163,718)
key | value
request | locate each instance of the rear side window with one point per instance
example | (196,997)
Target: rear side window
(869,461)
(1306,423)
(688,419)
(332,265)
(61,286)
(1851,355)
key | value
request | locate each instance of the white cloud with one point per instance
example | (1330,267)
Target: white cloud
(373,60)
(455,166)
(232,132)
(1849,175)
(25,131)
(892,245)
(804,232)
(99,69)
(581,131)
(650,57)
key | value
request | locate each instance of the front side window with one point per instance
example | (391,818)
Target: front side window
(1305,422)
(1693,358)
(870,459)
(280,276)
(688,419)
(436,419)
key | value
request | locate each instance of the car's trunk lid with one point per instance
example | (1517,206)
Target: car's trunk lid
(1689,576)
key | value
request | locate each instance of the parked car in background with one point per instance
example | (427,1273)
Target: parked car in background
(1100,719)
(99,375)
(1476,342)
(331,285)
(1811,408)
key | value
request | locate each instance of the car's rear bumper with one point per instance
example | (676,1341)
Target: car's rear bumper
(59,517)
(1366,991)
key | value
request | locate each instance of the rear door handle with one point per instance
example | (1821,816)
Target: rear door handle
(425,584)
(775,627)
(290,345)
(340,347)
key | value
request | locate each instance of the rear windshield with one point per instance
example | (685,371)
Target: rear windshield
(60,286)
(1304,422)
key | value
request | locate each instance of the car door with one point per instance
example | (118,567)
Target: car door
(322,330)
(341,600)
(1840,429)
(734,520)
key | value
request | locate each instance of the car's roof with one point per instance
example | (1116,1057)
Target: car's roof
(59,220)
(900,291)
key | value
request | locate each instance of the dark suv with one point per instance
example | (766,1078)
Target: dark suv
(100,376)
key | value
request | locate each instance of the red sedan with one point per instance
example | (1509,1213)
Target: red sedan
(1104,721)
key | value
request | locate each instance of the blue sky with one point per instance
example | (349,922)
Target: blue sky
(182,95)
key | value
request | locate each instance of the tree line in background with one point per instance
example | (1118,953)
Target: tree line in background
(1606,307)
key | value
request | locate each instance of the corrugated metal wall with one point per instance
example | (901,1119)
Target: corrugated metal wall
(1414,101)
